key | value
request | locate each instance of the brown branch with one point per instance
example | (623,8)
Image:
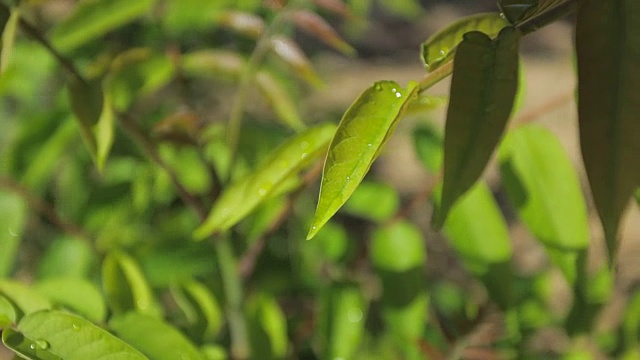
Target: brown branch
(45,209)
(247,263)
(38,36)
(149,147)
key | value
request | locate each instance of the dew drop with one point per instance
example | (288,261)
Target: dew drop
(12,232)
(354,315)
(304,145)
(313,227)
(303,155)
(142,304)
(262,191)
(377,87)
(75,327)
(369,145)
(398,95)
(32,346)
(42,344)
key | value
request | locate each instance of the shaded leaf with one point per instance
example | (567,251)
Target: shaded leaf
(77,294)
(518,11)
(536,173)
(60,335)
(125,287)
(442,45)
(93,19)
(8,314)
(153,337)
(244,195)
(267,328)
(27,348)
(315,25)
(13,218)
(293,56)
(609,113)
(483,89)
(243,23)
(201,309)
(279,99)
(361,134)
(9,20)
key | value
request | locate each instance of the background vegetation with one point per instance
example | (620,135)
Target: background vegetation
(161,161)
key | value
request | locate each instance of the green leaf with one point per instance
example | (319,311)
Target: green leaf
(267,328)
(9,20)
(364,129)
(8,313)
(373,200)
(222,63)
(93,111)
(13,218)
(125,287)
(201,309)
(78,295)
(26,299)
(94,18)
(243,196)
(537,173)
(341,325)
(483,89)
(66,257)
(608,49)
(280,100)
(441,46)
(398,247)
(153,337)
(59,335)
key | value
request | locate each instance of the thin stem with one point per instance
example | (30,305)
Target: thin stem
(38,36)
(45,209)
(232,285)
(436,76)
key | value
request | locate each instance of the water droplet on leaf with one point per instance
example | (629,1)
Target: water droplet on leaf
(42,344)
(76,327)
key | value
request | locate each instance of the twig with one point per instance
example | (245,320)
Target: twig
(247,263)
(38,36)
(45,209)
(545,108)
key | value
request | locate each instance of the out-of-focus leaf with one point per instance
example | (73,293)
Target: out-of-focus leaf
(213,63)
(94,113)
(483,89)
(59,335)
(341,327)
(406,325)
(374,201)
(267,328)
(184,17)
(214,352)
(409,9)
(201,309)
(537,173)
(78,295)
(476,229)
(364,129)
(8,314)
(425,103)
(153,337)
(609,113)
(93,19)
(332,242)
(631,322)
(293,56)
(442,45)
(239,199)
(335,6)
(125,287)
(26,299)
(243,23)
(164,267)
(9,20)
(280,100)
(637,196)
(66,257)
(13,218)
(315,25)
(398,247)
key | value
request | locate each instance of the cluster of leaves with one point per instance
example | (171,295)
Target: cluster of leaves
(110,259)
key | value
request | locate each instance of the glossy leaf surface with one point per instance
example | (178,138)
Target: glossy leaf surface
(361,134)
(544,187)
(61,335)
(92,19)
(483,90)
(13,218)
(442,45)
(125,287)
(244,195)
(608,50)
(153,337)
